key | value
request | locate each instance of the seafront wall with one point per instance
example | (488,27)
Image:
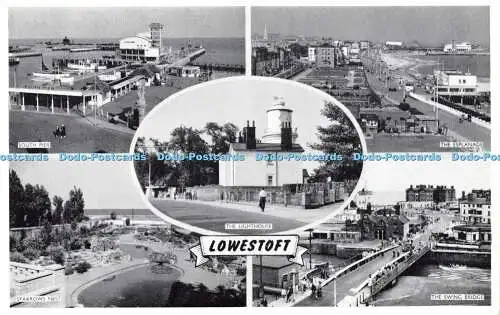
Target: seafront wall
(468,258)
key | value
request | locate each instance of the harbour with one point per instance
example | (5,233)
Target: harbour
(97,79)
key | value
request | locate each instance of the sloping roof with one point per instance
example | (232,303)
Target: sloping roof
(272,147)
(147,70)
(275,262)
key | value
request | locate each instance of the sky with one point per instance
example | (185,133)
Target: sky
(427,25)
(121,22)
(105,185)
(389,180)
(237,101)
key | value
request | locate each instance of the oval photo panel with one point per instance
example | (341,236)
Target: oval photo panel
(248,155)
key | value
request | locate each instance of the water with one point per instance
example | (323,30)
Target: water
(415,287)
(218,51)
(139,287)
(147,286)
(476,64)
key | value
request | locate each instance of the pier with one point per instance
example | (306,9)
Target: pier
(188,58)
(221,67)
(24,54)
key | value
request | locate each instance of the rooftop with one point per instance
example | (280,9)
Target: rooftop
(271,147)
(275,262)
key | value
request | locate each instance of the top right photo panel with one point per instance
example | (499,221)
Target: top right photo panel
(417,79)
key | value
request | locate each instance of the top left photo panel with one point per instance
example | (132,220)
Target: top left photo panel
(82,79)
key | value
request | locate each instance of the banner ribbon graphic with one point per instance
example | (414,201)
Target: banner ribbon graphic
(248,245)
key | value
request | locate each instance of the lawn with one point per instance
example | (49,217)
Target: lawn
(82,136)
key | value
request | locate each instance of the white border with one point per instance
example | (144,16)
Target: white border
(494,49)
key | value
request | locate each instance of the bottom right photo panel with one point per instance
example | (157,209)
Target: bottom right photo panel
(415,234)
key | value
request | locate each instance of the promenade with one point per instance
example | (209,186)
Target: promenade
(213,216)
(456,131)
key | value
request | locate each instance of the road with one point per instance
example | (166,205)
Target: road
(214,218)
(301,75)
(349,281)
(467,131)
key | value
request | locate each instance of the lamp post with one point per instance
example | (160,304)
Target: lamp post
(294,272)
(310,247)
(261,287)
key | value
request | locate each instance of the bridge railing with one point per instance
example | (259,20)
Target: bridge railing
(355,265)
(376,282)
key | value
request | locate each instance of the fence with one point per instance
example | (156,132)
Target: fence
(307,195)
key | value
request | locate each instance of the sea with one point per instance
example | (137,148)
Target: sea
(417,284)
(478,65)
(230,51)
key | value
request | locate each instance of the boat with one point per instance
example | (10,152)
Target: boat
(85,66)
(14,61)
(47,75)
(453,267)
(51,75)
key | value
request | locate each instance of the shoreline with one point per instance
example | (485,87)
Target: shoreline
(410,63)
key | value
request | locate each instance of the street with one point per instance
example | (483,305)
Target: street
(214,218)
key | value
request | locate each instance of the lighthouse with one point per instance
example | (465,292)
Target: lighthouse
(278,123)
(262,165)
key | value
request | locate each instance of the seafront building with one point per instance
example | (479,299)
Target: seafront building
(145,47)
(475,210)
(424,193)
(457,47)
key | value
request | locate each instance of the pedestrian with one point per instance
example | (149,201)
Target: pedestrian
(63,131)
(57,132)
(262,199)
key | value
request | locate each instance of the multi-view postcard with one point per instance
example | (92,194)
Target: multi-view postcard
(246,156)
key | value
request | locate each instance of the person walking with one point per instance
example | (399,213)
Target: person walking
(63,131)
(262,199)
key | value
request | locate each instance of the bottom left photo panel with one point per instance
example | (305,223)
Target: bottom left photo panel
(81,236)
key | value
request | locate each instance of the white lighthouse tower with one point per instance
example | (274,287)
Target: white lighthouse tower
(278,116)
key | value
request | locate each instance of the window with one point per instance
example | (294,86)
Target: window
(269,180)
(269,160)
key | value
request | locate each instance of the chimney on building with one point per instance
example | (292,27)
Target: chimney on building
(250,140)
(286,136)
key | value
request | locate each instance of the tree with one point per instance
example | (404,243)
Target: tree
(57,202)
(113,215)
(38,205)
(186,140)
(340,137)
(221,136)
(73,207)
(127,221)
(16,201)
(46,232)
